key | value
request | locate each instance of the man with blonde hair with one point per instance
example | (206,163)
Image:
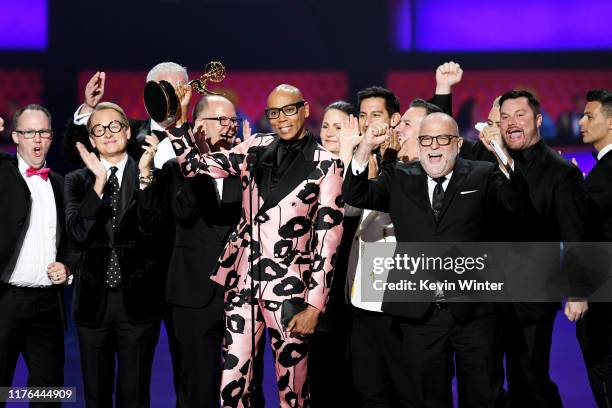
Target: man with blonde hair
(94,92)
(113,215)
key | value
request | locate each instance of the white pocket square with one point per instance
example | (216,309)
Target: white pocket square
(468,192)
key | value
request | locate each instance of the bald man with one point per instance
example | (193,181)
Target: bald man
(283,247)
(201,212)
(440,198)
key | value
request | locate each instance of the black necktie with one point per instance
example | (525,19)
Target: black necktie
(113,272)
(438,197)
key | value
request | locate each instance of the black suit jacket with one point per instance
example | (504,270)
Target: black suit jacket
(599,190)
(401,190)
(476,150)
(88,220)
(201,225)
(78,133)
(557,213)
(15,207)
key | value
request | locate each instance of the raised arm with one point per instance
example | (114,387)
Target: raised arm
(357,190)
(328,229)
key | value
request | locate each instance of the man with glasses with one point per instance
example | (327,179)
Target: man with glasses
(33,255)
(76,130)
(201,211)
(283,247)
(440,198)
(372,340)
(113,214)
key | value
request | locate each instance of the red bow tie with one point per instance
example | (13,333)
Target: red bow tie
(43,173)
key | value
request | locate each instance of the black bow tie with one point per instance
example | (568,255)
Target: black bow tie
(288,148)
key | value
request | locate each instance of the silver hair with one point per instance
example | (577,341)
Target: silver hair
(164,67)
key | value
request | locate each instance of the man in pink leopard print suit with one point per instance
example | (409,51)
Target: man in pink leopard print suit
(290,228)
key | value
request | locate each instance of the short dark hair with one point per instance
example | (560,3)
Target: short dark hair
(33,107)
(422,103)
(342,106)
(602,96)
(521,93)
(392,103)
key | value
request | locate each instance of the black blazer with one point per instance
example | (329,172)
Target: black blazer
(15,207)
(599,190)
(557,212)
(78,133)
(401,190)
(201,226)
(88,220)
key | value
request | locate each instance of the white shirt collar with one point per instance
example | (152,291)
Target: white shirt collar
(156,126)
(120,166)
(603,151)
(448,177)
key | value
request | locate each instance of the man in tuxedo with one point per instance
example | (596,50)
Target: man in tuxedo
(283,247)
(76,130)
(557,213)
(113,213)
(370,326)
(595,330)
(33,256)
(202,211)
(425,205)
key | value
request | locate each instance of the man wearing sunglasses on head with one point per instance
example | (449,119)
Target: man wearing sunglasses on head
(282,248)
(33,255)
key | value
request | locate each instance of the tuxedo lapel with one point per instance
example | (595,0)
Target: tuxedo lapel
(20,177)
(301,167)
(128,186)
(416,188)
(261,167)
(460,173)
(231,192)
(57,187)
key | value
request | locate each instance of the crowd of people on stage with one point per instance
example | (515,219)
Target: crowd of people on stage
(231,242)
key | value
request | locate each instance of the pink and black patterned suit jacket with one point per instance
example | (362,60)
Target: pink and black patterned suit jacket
(292,235)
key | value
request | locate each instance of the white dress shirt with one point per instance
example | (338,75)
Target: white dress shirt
(375,226)
(431,185)
(39,244)
(120,168)
(603,151)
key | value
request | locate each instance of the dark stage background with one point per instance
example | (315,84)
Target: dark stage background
(330,49)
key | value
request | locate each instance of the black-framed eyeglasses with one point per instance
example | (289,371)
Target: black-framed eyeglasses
(114,127)
(224,120)
(443,140)
(31,133)
(288,110)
